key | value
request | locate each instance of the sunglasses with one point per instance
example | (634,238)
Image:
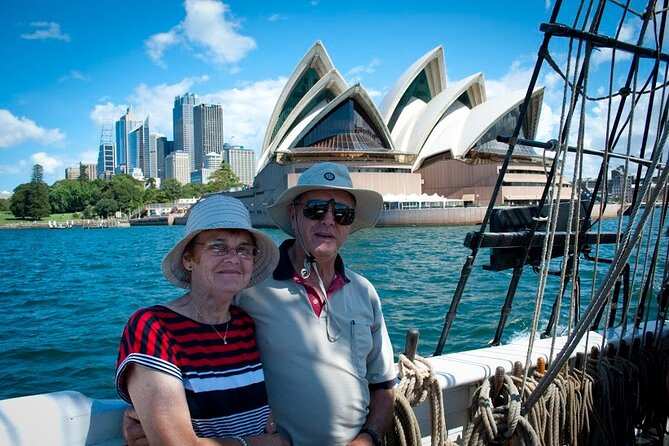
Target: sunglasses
(316,210)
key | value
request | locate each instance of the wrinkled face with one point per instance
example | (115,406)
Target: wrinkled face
(213,272)
(322,238)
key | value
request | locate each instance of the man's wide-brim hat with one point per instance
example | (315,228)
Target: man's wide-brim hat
(368,203)
(220,212)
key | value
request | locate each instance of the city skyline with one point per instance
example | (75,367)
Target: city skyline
(77,67)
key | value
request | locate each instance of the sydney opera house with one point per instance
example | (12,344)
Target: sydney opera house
(426,139)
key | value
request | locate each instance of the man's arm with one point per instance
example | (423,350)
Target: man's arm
(381,406)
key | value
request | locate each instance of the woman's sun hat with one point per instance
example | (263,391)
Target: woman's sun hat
(326,175)
(220,212)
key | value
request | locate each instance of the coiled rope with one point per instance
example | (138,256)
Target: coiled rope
(417,384)
(493,424)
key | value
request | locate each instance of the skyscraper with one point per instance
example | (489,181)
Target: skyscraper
(176,166)
(139,148)
(163,148)
(124,126)
(182,122)
(153,155)
(207,131)
(106,153)
(242,162)
(105,164)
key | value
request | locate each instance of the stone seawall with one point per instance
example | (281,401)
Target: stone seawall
(432,217)
(408,217)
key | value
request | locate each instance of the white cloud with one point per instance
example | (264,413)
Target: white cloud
(88,157)
(74,75)
(628,33)
(276,17)
(209,33)
(107,113)
(18,130)
(159,43)
(246,110)
(156,102)
(516,78)
(356,74)
(46,31)
(49,163)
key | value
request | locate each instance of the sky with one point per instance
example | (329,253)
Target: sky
(71,68)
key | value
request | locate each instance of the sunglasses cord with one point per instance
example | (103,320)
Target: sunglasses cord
(332,327)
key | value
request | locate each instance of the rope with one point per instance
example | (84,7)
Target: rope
(496,424)
(404,430)
(417,383)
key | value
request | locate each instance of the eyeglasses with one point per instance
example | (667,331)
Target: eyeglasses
(218,248)
(316,210)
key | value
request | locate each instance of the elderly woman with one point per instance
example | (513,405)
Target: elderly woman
(190,367)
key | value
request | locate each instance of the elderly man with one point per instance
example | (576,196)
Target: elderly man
(323,341)
(328,361)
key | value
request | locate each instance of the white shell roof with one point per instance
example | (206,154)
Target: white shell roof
(433,64)
(443,124)
(485,115)
(316,58)
(360,96)
(333,81)
(437,108)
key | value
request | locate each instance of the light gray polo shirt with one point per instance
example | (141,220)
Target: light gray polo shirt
(318,371)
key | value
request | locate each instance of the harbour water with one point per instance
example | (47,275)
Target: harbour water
(65,296)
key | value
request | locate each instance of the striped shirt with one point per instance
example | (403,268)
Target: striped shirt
(224,383)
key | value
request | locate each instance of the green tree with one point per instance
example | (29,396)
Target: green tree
(223,180)
(70,196)
(4,204)
(18,200)
(125,190)
(88,212)
(83,174)
(172,189)
(30,200)
(192,190)
(38,174)
(106,207)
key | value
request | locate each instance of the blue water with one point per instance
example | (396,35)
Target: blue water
(65,296)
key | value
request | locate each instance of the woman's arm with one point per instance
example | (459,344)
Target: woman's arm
(162,409)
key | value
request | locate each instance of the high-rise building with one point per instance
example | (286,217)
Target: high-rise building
(177,166)
(73,173)
(207,131)
(106,156)
(242,162)
(138,144)
(182,122)
(124,126)
(213,160)
(153,155)
(106,152)
(211,163)
(163,148)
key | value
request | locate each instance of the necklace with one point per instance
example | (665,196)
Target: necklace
(224,337)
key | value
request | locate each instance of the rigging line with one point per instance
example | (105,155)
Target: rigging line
(574,215)
(467,267)
(565,123)
(627,8)
(601,41)
(621,92)
(631,233)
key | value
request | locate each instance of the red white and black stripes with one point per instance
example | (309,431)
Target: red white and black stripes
(224,383)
